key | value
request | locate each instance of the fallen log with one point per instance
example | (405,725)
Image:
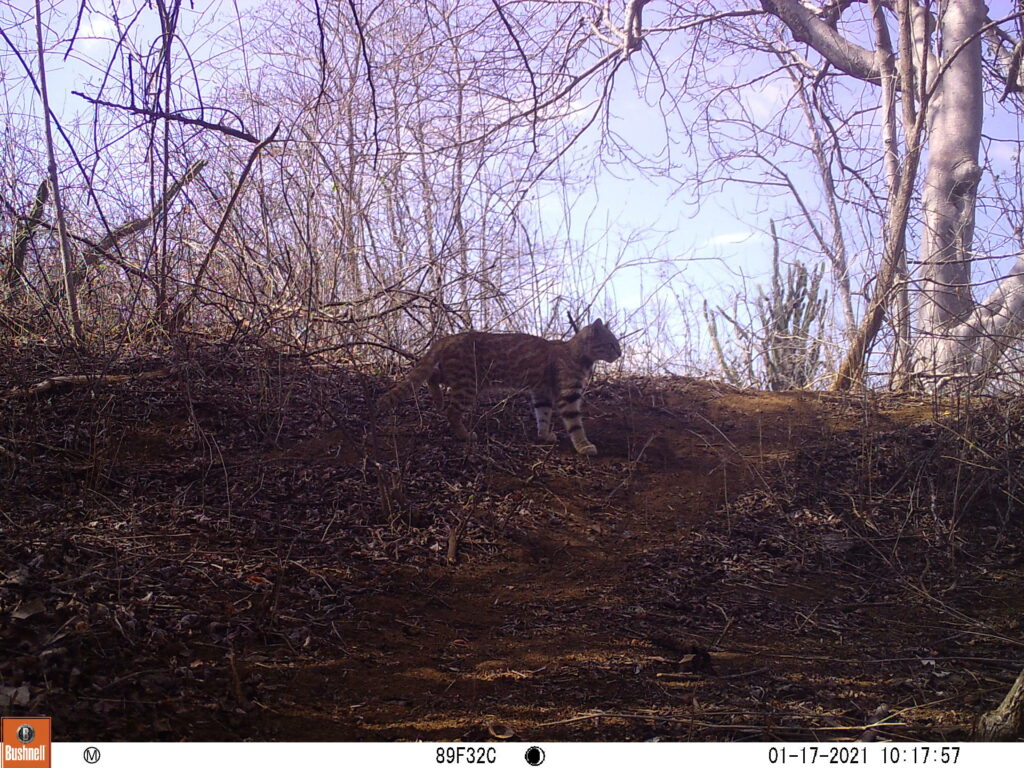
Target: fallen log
(74,380)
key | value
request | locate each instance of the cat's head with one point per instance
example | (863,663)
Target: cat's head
(599,343)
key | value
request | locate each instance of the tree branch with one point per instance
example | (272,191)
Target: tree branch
(153,114)
(842,54)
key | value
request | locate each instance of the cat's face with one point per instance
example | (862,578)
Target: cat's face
(601,342)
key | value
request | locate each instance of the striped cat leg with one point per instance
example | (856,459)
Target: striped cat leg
(542,410)
(569,404)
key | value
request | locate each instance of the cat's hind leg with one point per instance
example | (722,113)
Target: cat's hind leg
(542,408)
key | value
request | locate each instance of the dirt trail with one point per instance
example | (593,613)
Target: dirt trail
(233,555)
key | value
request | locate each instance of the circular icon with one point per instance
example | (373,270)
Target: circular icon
(535,755)
(26,733)
(91,755)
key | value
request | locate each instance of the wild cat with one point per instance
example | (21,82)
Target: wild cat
(554,372)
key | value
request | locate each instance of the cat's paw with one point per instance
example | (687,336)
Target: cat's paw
(547,437)
(587,449)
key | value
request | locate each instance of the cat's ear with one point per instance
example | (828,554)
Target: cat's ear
(598,323)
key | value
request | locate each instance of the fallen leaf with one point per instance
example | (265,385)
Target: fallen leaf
(29,609)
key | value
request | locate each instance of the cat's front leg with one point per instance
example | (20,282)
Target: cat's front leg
(569,404)
(459,405)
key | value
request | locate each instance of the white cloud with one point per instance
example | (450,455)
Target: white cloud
(1003,153)
(764,101)
(97,31)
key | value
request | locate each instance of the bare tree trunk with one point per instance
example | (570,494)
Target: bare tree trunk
(972,342)
(70,293)
(891,157)
(950,186)
(14,275)
(851,370)
(168,14)
(973,347)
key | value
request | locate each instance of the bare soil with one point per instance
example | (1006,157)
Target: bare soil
(234,551)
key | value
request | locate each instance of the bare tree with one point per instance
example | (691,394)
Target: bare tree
(948,99)
(399,199)
(872,111)
(70,294)
(14,271)
(941,87)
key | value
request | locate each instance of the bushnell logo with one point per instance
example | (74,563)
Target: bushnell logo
(26,742)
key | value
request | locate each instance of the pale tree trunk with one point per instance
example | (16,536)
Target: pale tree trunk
(950,189)
(972,347)
(960,338)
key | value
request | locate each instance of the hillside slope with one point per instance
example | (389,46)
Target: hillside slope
(233,550)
